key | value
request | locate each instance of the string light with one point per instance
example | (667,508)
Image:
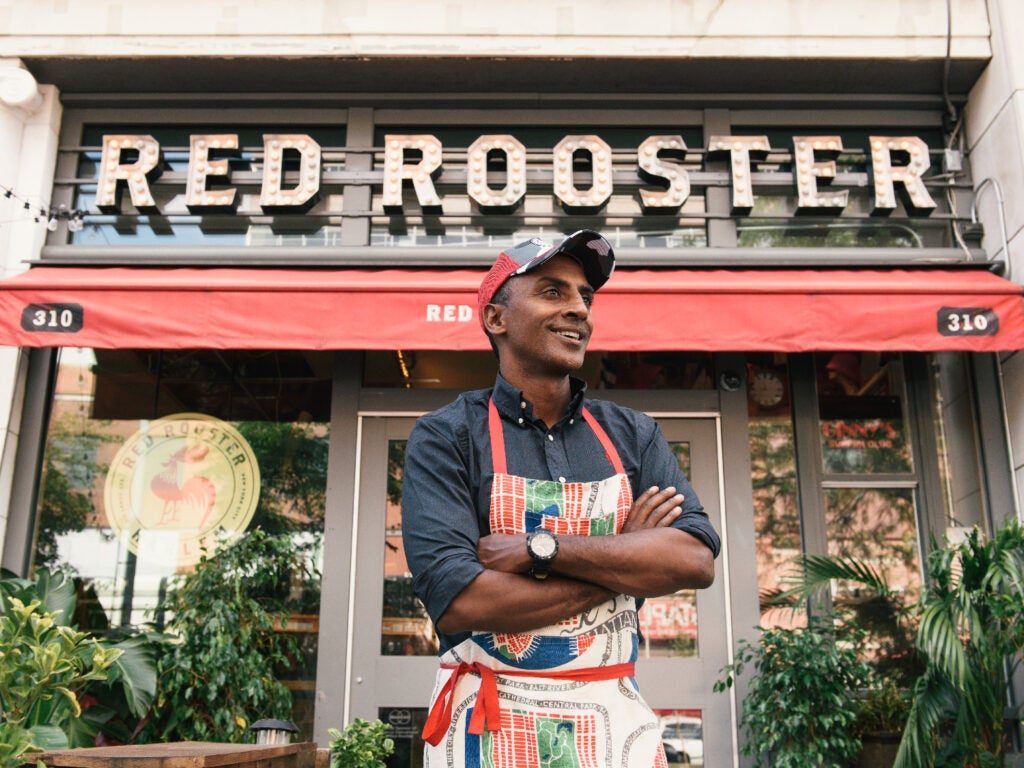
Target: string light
(50,218)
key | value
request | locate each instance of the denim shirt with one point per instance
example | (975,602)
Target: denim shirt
(446,490)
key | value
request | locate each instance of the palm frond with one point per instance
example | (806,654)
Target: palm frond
(938,637)
(931,702)
(814,573)
(1006,572)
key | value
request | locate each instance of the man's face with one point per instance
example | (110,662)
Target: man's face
(546,322)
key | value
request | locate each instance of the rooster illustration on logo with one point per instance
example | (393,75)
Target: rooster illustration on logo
(179,487)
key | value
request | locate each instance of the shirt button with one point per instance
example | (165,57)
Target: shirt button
(561,479)
(551,437)
(572,421)
(522,404)
(521,421)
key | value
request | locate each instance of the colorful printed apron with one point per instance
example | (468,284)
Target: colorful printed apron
(563,696)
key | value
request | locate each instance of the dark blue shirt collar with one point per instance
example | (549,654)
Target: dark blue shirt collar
(512,404)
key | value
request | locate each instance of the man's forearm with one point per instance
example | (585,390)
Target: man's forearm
(646,563)
(509,602)
(642,563)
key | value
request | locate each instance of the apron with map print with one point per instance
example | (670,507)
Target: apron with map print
(563,696)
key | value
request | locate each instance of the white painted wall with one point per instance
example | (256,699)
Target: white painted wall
(995,138)
(29,124)
(601,28)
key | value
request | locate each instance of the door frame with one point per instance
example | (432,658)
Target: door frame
(662,405)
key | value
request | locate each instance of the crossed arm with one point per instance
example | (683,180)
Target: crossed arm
(647,558)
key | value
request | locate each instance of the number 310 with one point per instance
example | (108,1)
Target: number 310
(52,318)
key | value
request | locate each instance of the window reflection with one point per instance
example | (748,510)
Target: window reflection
(439,369)
(860,402)
(406,729)
(154,458)
(682,735)
(406,630)
(773,479)
(668,625)
(878,526)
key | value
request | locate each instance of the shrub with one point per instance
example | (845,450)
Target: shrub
(363,744)
(801,706)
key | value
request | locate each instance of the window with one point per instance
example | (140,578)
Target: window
(154,458)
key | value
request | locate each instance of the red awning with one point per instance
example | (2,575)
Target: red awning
(924,309)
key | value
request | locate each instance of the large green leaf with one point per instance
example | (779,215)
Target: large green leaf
(57,591)
(135,670)
(81,732)
(970,626)
(938,637)
(48,737)
(98,718)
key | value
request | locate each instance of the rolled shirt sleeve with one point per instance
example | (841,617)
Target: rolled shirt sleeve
(649,461)
(440,529)
(659,462)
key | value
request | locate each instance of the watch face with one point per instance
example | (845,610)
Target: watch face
(767,389)
(543,544)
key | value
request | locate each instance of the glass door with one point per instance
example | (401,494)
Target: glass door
(393,662)
(684,641)
(394,650)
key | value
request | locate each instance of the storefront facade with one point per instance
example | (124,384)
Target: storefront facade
(253,288)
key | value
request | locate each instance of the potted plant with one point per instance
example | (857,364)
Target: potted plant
(881,717)
(51,674)
(220,675)
(45,664)
(801,706)
(363,744)
(972,636)
(889,623)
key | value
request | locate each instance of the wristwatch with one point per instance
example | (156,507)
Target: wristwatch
(542,546)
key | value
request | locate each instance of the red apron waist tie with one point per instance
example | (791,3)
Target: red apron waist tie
(487,703)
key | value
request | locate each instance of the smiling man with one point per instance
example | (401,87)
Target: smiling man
(535,520)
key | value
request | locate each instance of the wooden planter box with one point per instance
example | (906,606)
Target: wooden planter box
(185,754)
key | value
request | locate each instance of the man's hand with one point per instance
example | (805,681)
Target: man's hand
(655,508)
(505,552)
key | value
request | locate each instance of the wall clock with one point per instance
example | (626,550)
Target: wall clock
(766,388)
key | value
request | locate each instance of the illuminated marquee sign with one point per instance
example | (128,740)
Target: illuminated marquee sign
(132,162)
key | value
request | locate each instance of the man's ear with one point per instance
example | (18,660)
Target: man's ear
(494,319)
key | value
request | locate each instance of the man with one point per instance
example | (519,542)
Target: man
(525,542)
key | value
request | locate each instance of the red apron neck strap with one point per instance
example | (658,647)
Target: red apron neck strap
(609,448)
(498,440)
(500,465)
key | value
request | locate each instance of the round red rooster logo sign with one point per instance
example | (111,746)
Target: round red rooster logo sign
(187,474)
